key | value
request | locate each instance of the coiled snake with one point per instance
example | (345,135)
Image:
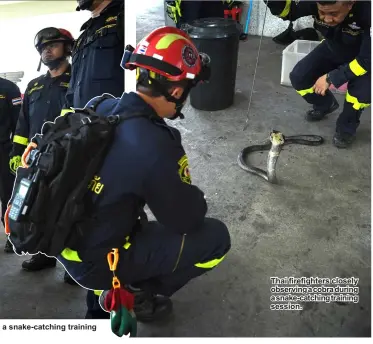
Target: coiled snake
(274,144)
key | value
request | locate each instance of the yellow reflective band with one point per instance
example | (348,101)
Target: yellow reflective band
(20,140)
(307,91)
(127,245)
(356,68)
(98,292)
(35,89)
(167,40)
(71,255)
(210,264)
(355,103)
(286,10)
(65,111)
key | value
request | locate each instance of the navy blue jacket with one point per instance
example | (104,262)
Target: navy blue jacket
(351,38)
(10,105)
(96,58)
(146,164)
(43,100)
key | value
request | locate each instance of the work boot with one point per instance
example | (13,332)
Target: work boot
(317,114)
(68,279)
(343,140)
(8,247)
(38,262)
(149,307)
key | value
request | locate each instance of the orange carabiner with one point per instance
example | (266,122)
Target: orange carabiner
(31,145)
(113,258)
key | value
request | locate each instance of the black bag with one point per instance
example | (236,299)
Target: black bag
(54,186)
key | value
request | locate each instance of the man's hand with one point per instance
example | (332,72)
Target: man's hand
(321,85)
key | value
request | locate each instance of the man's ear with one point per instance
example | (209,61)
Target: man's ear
(177,92)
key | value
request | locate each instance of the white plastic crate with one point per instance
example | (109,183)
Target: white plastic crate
(292,54)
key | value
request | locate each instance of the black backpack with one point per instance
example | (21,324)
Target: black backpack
(50,195)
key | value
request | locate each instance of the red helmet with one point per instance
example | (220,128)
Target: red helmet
(169,52)
(52,34)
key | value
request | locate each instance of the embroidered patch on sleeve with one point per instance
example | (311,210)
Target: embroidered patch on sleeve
(184,170)
(17,101)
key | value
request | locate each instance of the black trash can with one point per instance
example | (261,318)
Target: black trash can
(219,38)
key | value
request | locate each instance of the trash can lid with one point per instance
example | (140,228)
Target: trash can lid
(212,28)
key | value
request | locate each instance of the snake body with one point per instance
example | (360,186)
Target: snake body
(274,144)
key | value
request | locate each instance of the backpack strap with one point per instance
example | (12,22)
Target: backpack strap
(98,100)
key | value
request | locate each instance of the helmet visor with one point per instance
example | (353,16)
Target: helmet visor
(46,35)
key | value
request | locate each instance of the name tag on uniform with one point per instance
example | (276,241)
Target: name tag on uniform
(64,84)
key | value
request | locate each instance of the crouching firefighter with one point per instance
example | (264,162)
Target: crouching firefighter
(43,100)
(104,178)
(344,56)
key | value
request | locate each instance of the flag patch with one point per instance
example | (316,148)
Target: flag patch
(17,101)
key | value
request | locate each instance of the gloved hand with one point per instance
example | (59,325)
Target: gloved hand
(120,303)
(14,163)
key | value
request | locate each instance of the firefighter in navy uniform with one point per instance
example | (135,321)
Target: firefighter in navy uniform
(97,53)
(344,56)
(43,100)
(147,164)
(10,106)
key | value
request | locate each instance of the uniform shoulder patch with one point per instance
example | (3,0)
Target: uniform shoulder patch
(111,19)
(17,101)
(184,170)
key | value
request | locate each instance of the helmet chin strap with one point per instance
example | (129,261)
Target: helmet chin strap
(178,102)
(54,64)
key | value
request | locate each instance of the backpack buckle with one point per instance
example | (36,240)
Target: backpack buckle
(86,120)
(113,119)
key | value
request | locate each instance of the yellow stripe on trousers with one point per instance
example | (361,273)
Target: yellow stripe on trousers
(210,264)
(73,256)
(307,91)
(355,102)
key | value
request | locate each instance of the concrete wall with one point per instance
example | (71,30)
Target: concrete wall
(273,25)
(26,9)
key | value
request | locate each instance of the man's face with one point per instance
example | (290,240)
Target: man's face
(52,51)
(334,14)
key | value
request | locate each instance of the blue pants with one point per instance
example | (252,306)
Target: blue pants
(158,261)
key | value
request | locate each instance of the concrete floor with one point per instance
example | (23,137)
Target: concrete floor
(316,222)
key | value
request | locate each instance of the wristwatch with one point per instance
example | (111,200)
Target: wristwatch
(328,79)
